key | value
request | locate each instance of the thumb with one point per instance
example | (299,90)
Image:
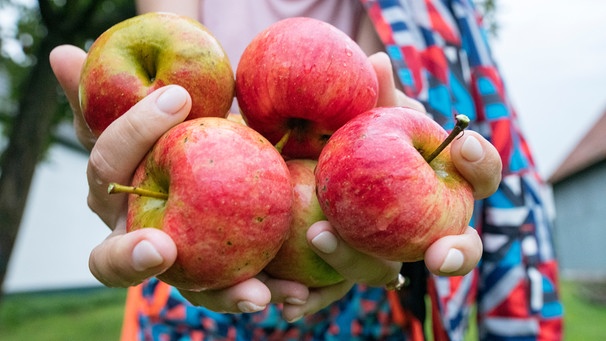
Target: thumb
(121,147)
(478,161)
(66,62)
(125,259)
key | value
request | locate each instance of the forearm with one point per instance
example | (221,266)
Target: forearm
(190,8)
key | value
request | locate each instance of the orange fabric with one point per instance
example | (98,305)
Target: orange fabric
(130,325)
(135,303)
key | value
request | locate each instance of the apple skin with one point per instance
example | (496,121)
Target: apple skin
(306,75)
(141,54)
(229,201)
(380,194)
(295,260)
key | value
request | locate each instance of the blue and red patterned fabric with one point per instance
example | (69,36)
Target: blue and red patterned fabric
(441,57)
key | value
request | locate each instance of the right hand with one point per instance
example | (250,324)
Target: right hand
(125,259)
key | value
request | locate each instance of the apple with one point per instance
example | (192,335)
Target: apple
(305,78)
(141,54)
(222,192)
(295,260)
(383,192)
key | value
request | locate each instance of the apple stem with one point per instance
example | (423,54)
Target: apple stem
(462,123)
(280,145)
(117,188)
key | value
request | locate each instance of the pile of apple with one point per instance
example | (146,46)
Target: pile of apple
(237,198)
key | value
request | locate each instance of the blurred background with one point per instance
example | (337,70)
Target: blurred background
(553,58)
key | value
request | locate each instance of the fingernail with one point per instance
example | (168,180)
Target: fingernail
(453,261)
(171,100)
(295,319)
(325,242)
(472,149)
(294,301)
(145,256)
(249,307)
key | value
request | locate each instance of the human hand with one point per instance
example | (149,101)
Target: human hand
(125,259)
(479,163)
(122,259)
(475,158)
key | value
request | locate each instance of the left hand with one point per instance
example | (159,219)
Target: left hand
(475,158)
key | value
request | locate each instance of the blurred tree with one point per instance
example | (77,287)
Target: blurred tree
(31,102)
(489,11)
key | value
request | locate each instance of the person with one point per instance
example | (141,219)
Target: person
(441,65)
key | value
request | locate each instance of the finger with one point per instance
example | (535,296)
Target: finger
(478,161)
(454,255)
(347,261)
(319,298)
(382,65)
(407,102)
(249,296)
(122,146)
(126,259)
(283,291)
(66,62)
(389,95)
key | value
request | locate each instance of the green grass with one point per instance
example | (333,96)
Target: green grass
(584,311)
(88,314)
(96,314)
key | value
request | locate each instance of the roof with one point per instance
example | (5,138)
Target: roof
(590,150)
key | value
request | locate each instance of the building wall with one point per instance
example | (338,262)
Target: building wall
(58,230)
(580,225)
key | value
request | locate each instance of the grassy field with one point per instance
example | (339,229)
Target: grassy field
(87,314)
(96,314)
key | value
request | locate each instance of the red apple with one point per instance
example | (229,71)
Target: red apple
(295,260)
(225,199)
(379,192)
(304,76)
(141,54)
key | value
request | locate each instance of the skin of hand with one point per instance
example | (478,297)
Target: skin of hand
(125,259)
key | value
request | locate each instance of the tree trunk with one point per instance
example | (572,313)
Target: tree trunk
(27,141)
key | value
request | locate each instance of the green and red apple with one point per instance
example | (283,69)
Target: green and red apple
(306,78)
(223,194)
(295,260)
(383,197)
(141,54)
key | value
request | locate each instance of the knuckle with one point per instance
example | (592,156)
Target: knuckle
(133,128)
(100,169)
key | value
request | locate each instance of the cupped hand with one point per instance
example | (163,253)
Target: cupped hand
(354,266)
(125,259)
(121,259)
(449,256)
(474,157)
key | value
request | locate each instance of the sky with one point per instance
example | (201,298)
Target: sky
(552,54)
